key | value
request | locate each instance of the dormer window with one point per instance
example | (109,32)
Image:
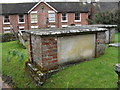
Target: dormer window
(6,19)
(21,19)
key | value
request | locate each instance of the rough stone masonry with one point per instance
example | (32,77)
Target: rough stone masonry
(51,48)
(43,45)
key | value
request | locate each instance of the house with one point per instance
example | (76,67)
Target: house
(38,15)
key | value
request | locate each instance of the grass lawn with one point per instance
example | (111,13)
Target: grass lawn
(97,73)
(13,64)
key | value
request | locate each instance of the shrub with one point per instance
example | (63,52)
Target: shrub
(72,24)
(7,37)
(107,18)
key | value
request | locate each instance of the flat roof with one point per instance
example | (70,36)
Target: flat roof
(101,26)
(68,30)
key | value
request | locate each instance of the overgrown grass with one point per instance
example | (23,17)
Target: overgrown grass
(97,73)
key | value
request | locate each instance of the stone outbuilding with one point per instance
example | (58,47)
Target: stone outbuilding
(51,48)
(110,33)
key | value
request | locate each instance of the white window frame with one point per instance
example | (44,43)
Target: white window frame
(77,24)
(4,18)
(21,27)
(5,28)
(52,13)
(78,20)
(34,27)
(33,12)
(64,26)
(52,26)
(21,22)
(66,18)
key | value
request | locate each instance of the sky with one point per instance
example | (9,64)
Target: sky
(18,1)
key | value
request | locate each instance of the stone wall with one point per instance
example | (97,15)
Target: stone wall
(100,43)
(43,51)
(36,49)
(112,35)
(49,52)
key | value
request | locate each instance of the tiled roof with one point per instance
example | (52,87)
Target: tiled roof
(69,6)
(19,8)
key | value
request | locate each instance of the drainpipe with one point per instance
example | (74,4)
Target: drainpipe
(28,21)
(31,53)
(58,19)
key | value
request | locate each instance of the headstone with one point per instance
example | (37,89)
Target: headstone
(114,45)
(117,70)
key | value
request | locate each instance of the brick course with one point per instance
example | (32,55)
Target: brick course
(44,51)
(49,52)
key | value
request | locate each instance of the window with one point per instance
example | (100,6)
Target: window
(34,27)
(6,29)
(51,16)
(64,17)
(77,17)
(64,26)
(6,19)
(21,18)
(34,17)
(52,26)
(21,28)
(78,25)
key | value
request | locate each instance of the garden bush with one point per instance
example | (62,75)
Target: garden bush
(7,37)
(107,18)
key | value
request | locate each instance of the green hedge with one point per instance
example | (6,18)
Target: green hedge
(7,37)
